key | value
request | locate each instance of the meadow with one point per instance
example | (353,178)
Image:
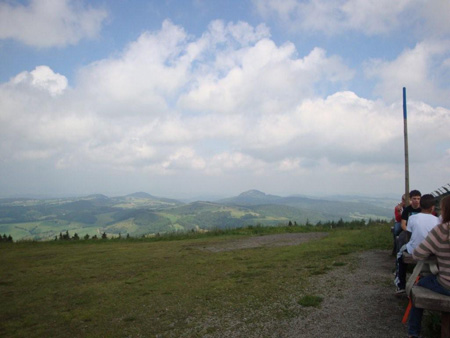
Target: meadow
(167,286)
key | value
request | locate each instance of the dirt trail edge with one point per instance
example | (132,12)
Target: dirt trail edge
(357,304)
(359,299)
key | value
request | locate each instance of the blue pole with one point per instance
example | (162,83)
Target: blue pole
(405,130)
(404,104)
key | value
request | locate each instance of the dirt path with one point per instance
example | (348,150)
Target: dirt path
(268,241)
(361,304)
(359,299)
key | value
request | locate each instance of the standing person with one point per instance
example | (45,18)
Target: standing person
(438,243)
(412,209)
(419,225)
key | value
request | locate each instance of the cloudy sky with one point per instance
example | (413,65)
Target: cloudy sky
(185,98)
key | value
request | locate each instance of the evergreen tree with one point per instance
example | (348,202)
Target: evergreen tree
(104,235)
(86,237)
(75,237)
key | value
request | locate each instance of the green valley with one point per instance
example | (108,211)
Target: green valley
(141,214)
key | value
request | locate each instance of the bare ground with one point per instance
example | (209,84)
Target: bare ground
(359,299)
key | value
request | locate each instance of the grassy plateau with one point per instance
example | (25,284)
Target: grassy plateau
(168,286)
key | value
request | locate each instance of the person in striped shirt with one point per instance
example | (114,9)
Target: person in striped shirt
(436,243)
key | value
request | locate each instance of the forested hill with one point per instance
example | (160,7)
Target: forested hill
(141,213)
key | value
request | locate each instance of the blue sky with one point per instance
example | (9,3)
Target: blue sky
(212,98)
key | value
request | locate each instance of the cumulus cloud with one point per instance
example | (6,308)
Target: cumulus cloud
(230,102)
(418,69)
(48,23)
(369,17)
(42,78)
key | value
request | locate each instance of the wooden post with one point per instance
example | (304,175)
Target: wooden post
(445,325)
(405,131)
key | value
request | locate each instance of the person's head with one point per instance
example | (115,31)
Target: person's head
(403,200)
(427,203)
(414,197)
(445,209)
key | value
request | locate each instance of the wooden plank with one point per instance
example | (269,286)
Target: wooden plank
(426,299)
(408,259)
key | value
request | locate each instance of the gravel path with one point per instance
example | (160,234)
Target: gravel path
(361,304)
(359,298)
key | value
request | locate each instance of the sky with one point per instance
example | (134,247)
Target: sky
(186,98)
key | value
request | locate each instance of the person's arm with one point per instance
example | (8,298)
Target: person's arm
(398,213)
(404,224)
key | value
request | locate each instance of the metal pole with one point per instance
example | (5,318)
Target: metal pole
(405,130)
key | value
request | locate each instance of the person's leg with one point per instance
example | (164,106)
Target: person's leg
(397,228)
(431,282)
(401,271)
(415,321)
(402,239)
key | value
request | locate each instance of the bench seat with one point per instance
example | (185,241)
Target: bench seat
(426,299)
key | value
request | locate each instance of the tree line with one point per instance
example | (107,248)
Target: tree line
(66,236)
(5,238)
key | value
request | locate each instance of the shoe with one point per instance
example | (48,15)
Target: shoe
(399,290)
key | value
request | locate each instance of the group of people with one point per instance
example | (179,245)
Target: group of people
(421,233)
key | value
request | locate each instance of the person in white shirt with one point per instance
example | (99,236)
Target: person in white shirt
(419,226)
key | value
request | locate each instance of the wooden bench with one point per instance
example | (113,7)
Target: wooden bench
(429,300)
(408,259)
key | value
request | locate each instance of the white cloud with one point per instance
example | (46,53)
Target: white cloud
(418,69)
(48,23)
(266,71)
(372,17)
(231,103)
(43,78)
(144,78)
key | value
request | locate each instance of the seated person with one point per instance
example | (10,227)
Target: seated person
(412,209)
(419,225)
(436,243)
(398,221)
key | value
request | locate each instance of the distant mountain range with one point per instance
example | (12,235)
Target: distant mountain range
(140,213)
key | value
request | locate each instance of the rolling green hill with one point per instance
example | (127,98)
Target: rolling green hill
(141,214)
